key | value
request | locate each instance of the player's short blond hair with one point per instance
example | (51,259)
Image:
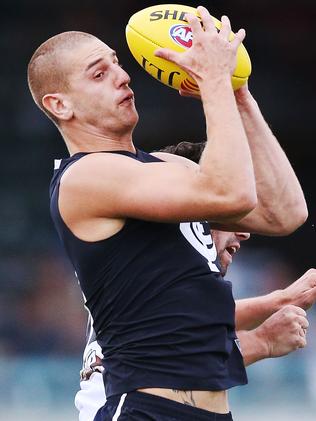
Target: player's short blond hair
(46,72)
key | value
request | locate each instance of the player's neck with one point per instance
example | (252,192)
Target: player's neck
(91,140)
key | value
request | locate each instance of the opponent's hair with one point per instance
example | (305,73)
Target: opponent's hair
(190,150)
(46,72)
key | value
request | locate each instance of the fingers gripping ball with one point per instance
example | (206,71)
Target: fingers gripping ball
(164,26)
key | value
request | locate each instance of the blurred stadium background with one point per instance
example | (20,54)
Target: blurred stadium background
(42,321)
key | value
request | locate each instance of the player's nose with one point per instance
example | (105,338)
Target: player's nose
(122,77)
(242,236)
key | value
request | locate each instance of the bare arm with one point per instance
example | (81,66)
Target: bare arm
(281,204)
(254,222)
(113,186)
(251,312)
(280,334)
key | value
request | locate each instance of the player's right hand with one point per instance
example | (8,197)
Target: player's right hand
(284,331)
(212,55)
(302,292)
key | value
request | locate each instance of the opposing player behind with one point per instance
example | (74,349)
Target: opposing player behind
(280,319)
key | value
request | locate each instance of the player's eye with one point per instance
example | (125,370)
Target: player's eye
(98,75)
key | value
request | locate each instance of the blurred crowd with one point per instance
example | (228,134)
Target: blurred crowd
(42,318)
(41,311)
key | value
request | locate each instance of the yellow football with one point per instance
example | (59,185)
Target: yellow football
(165,26)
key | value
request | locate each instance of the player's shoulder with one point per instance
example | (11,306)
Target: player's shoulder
(94,166)
(100,158)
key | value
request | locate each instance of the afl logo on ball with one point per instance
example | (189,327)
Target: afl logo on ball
(182,35)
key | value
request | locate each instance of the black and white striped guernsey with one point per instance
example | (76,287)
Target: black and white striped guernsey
(162,313)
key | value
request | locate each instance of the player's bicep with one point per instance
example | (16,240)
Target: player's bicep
(120,187)
(158,191)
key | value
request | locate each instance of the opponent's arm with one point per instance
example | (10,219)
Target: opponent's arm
(251,312)
(280,334)
(281,204)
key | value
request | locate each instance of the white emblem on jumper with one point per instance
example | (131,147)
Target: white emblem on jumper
(198,235)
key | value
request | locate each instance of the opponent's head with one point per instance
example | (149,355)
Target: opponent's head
(227,243)
(76,79)
(189,150)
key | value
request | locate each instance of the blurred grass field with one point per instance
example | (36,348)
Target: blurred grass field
(37,389)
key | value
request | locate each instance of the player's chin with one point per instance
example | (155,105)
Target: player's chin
(130,117)
(128,107)
(134,115)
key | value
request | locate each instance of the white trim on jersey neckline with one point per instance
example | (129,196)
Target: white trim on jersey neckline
(57,163)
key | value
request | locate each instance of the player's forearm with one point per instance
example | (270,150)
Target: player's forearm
(253,347)
(226,170)
(251,312)
(281,204)
(227,154)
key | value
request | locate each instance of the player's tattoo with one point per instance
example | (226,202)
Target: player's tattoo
(186,396)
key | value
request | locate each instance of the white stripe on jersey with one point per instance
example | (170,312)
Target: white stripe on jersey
(89,328)
(119,407)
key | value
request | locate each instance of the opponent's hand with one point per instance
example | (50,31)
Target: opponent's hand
(212,55)
(302,292)
(284,331)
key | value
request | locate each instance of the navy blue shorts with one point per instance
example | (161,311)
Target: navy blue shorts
(138,406)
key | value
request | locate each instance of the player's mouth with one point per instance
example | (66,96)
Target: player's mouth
(127,99)
(232,249)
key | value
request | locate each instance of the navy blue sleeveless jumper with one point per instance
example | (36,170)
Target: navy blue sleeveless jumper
(162,313)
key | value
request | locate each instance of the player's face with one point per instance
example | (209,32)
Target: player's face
(227,244)
(98,89)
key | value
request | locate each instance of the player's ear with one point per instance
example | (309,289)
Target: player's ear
(58,105)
